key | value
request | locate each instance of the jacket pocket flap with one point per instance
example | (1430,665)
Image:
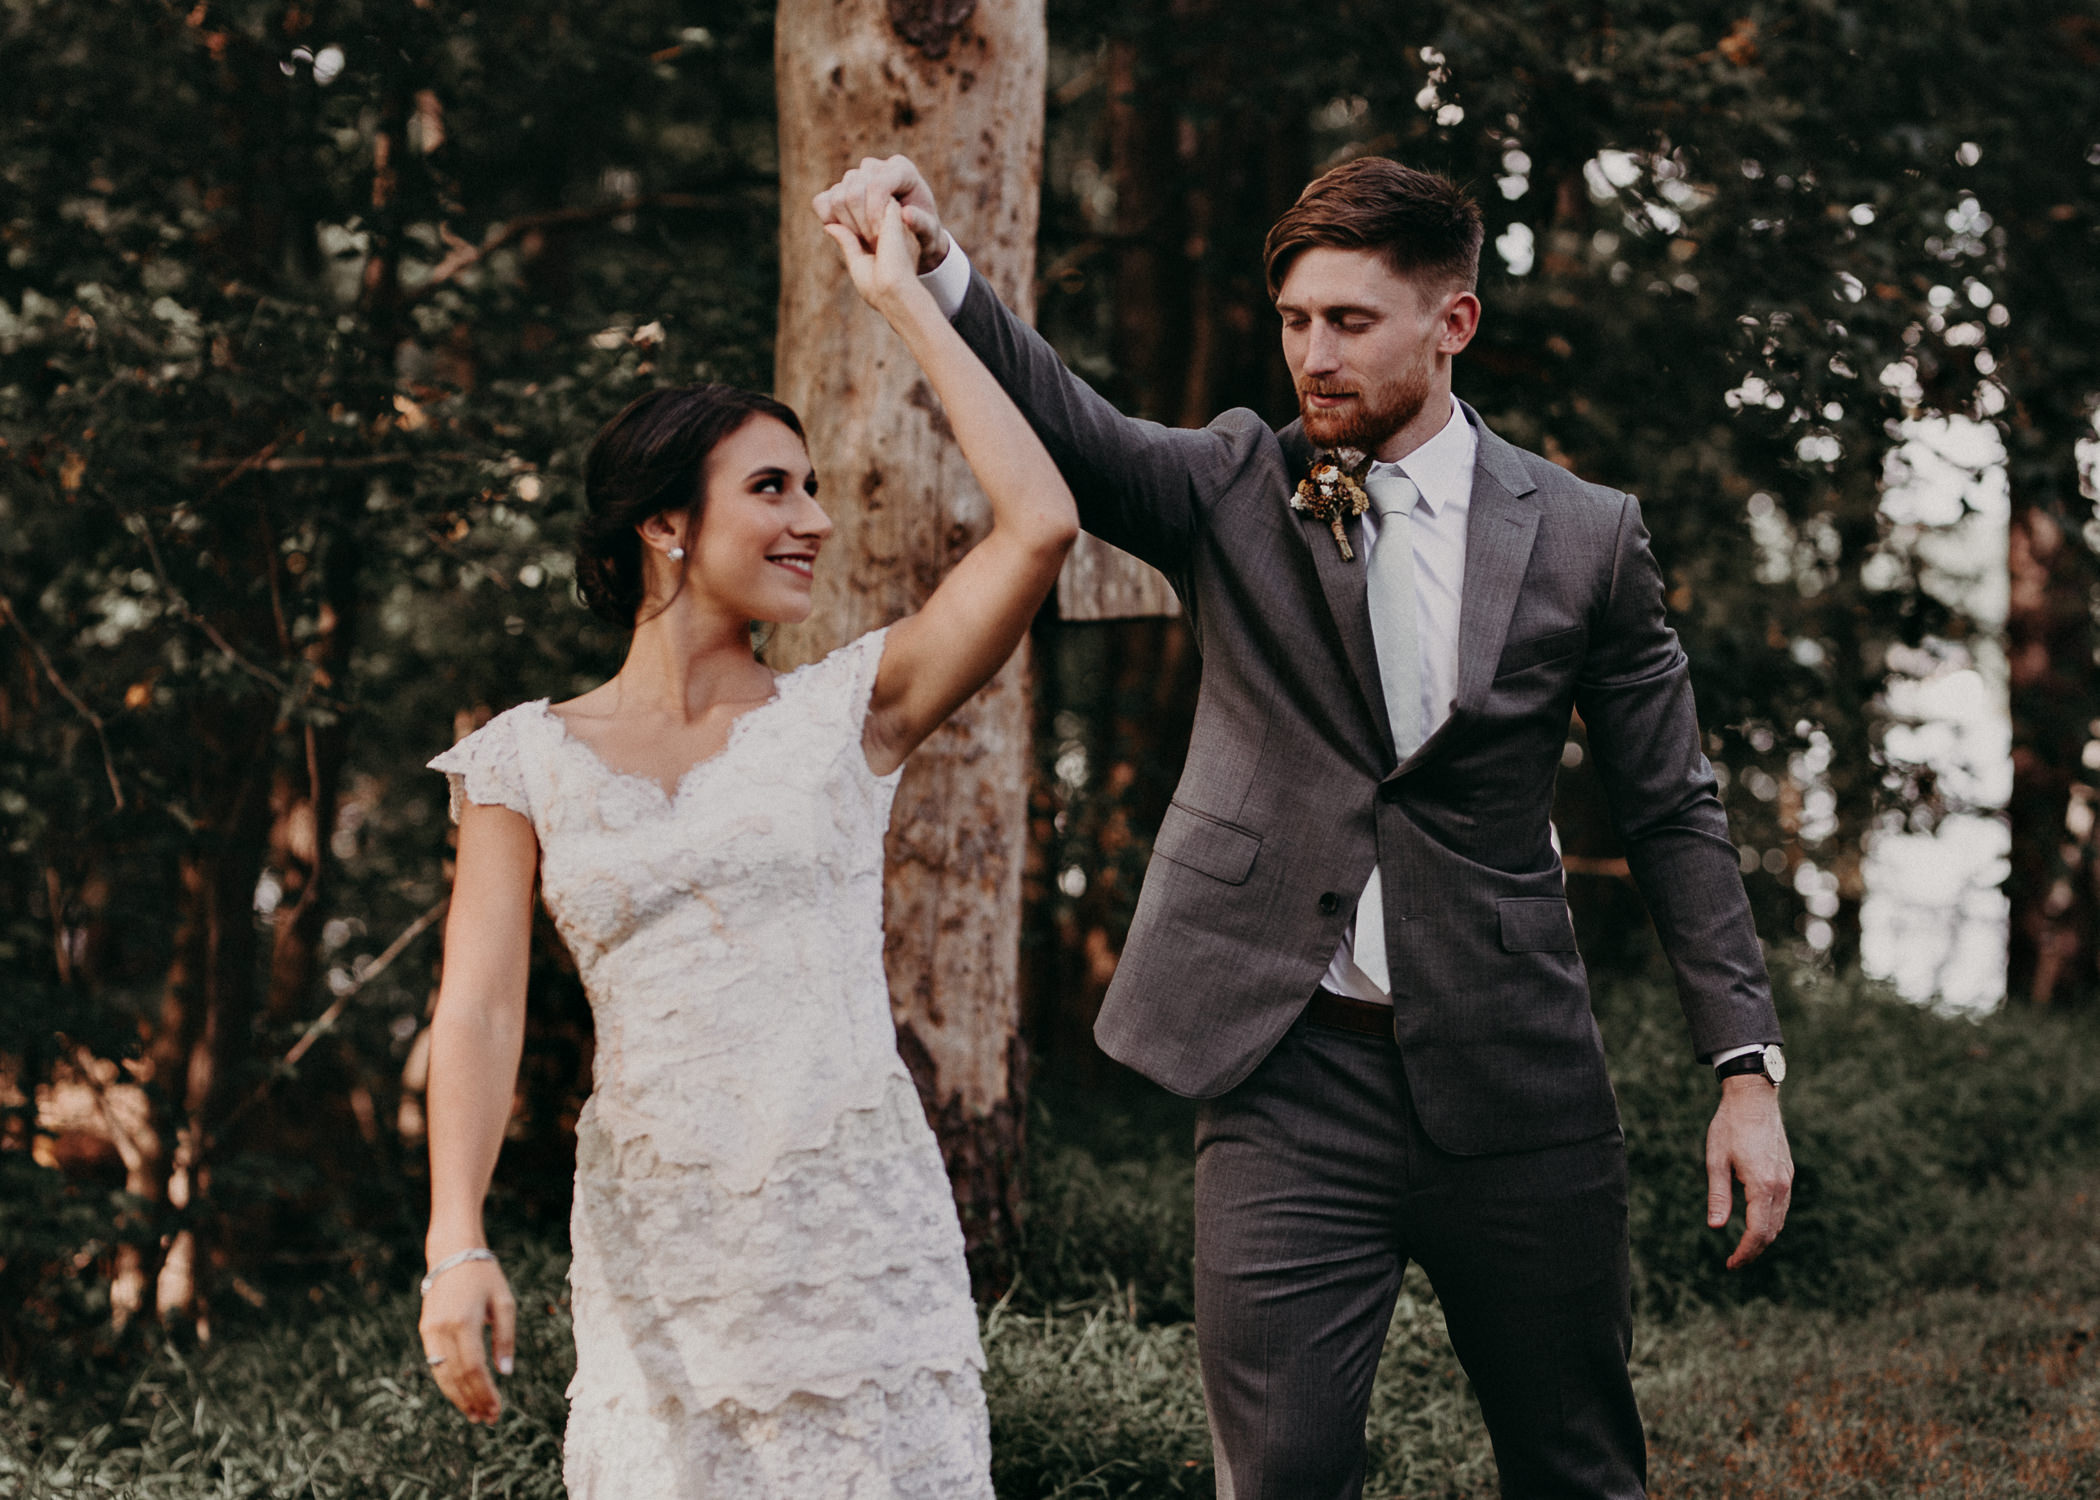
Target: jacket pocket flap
(1518,655)
(1537,924)
(1204,844)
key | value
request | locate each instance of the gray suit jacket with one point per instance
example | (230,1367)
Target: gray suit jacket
(1291,794)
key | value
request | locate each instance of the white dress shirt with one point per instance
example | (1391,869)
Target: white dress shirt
(1442,469)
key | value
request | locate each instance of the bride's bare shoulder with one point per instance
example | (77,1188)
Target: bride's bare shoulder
(601,702)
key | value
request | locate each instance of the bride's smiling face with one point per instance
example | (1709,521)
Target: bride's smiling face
(754,551)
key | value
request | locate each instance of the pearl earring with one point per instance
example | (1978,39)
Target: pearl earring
(678,554)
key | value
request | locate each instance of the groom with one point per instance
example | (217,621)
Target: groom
(1354,945)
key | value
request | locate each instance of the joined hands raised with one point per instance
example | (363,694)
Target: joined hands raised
(884,265)
(858,202)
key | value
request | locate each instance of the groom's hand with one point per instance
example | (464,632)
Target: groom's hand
(1747,1143)
(858,201)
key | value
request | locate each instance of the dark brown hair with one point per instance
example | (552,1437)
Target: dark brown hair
(1425,225)
(649,460)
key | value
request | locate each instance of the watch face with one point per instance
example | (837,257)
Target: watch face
(1775,1065)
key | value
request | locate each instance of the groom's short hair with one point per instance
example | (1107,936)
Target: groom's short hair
(1425,225)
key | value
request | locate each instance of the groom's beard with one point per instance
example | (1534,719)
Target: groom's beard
(1375,415)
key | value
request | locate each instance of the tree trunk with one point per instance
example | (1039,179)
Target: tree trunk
(2051,281)
(2053,882)
(960,90)
(1101,582)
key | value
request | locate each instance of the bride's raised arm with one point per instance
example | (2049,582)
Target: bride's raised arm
(936,658)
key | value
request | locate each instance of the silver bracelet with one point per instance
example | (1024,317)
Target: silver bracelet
(477,1253)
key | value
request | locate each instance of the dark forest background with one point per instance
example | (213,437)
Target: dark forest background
(307,312)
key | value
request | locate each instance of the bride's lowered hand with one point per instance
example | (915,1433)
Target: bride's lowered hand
(969,626)
(462,1303)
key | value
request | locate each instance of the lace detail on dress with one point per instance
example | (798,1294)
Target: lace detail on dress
(843,1267)
(926,1439)
(769,1286)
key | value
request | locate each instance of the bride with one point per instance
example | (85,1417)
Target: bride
(768,1283)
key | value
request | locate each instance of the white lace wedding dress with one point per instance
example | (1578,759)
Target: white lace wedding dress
(769,1288)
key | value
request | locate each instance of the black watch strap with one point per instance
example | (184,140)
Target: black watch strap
(1749,1062)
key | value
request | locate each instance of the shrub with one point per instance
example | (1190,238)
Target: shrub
(1901,1122)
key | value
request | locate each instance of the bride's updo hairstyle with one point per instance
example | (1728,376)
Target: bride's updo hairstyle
(649,460)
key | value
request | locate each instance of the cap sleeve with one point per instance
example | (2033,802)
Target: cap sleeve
(484,767)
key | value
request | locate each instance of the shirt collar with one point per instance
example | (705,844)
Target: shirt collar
(1442,468)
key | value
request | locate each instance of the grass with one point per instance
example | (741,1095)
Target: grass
(1960,1393)
(1925,1327)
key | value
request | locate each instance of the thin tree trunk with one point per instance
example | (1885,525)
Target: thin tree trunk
(200,1056)
(960,90)
(299,842)
(2051,282)
(1101,582)
(2054,880)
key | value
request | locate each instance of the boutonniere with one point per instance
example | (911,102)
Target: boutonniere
(1334,489)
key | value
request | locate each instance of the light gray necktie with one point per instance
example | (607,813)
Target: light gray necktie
(1389,579)
(1390,587)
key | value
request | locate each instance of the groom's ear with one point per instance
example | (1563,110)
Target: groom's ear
(1461,320)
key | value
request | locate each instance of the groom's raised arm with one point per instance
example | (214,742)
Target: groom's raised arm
(1139,485)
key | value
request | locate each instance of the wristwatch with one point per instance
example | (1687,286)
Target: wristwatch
(1769,1062)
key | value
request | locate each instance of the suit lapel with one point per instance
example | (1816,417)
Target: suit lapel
(1501,527)
(1343,583)
(1500,530)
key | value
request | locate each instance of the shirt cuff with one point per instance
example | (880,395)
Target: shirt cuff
(1720,1057)
(950,280)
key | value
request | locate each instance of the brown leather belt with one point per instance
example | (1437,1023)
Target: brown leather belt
(1344,1014)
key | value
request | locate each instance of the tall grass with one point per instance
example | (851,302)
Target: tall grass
(1922,1327)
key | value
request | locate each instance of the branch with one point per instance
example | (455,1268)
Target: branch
(144,530)
(334,1013)
(55,896)
(261,456)
(109,764)
(257,463)
(463,255)
(392,951)
(269,539)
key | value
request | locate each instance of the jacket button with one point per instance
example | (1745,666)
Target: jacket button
(1389,792)
(1330,903)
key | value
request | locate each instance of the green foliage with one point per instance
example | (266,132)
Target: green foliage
(1111,1202)
(1089,1401)
(1906,1129)
(47,1221)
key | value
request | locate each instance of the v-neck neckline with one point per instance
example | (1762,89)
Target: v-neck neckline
(671,797)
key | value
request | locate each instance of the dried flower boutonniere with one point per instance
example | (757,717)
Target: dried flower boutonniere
(1333,490)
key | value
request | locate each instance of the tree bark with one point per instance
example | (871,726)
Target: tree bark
(960,90)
